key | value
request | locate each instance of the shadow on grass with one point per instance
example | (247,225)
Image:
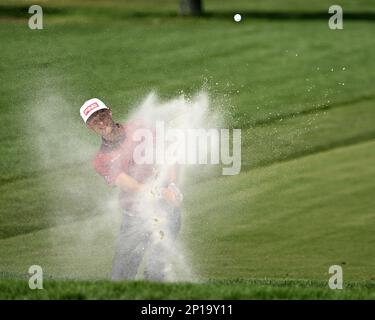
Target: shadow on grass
(280,15)
(23,12)
(122,13)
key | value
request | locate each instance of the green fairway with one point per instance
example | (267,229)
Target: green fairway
(301,93)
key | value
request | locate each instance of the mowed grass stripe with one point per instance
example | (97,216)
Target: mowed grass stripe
(308,133)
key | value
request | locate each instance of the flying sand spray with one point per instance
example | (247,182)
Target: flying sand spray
(178,114)
(90,240)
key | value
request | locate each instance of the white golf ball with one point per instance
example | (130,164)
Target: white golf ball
(237,17)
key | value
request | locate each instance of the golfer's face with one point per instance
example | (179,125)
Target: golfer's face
(101,122)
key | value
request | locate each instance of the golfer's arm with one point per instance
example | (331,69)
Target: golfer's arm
(128,183)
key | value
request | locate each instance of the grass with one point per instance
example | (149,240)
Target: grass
(301,93)
(233,290)
(288,220)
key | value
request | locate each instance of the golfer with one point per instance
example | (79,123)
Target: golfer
(150,203)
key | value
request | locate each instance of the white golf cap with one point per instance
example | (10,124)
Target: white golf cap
(90,107)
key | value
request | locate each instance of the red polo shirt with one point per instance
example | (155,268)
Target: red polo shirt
(116,157)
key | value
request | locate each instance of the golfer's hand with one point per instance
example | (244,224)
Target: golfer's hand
(172,195)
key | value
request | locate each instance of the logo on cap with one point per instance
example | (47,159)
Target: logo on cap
(90,108)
